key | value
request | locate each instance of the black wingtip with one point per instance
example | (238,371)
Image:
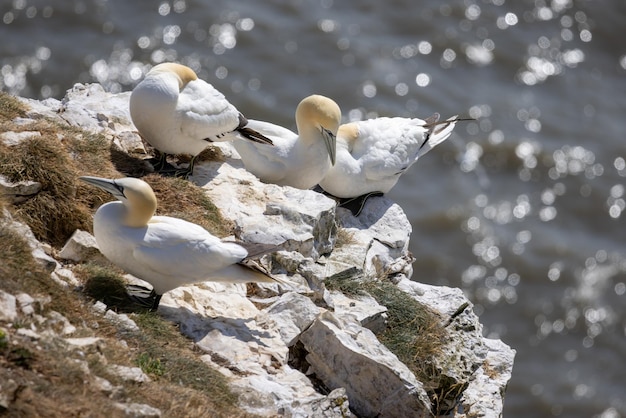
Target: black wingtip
(251,134)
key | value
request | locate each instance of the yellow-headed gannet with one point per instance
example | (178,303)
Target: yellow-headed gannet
(372,154)
(298,160)
(164,251)
(178,113)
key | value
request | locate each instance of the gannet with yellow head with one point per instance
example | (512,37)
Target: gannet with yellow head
(178,113)
(373,154)
(163,251)
(299,160)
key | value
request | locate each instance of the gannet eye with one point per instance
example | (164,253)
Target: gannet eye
(120,189)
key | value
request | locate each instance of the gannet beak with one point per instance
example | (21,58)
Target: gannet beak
(105,184)
(331,144)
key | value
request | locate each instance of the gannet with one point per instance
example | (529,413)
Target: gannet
(164,251)
(178,113)
(372,155)
(298,160)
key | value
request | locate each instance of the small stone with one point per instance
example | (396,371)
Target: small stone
(20,191)
(26,302)
(84,342)
(81,246)
(133,374)
(99,307)
(11,138)
(138,410)
(8,307)
(121,320)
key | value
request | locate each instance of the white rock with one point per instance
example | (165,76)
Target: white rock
(8,307)
(93,109)
(133,374)
(11,138)
(293,313)
(26,302)
(344,354)
(364,309)
(20,191)
(122,321)
(103,385)
(99,307)
(29,333)
(137,410)
(65,277)
(299,220)
(83,342)
(81,246)
(484,396)
(59,323)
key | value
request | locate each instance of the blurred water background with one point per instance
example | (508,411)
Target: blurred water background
(522,209)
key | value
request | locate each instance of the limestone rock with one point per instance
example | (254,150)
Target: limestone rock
(8,307)
(298,220)
(364,309)
(11,138)
(26,302)
(341,353)
(81,246)
(137,410)
(484,397)
(20,191)
(121,320)
(133,374)
(293,313)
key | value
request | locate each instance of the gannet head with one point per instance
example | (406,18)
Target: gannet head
(183,73)
(136,195)
(322,114)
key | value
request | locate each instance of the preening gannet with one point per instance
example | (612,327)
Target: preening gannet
(178,113)
(372,155)
(298,160)
(164,251)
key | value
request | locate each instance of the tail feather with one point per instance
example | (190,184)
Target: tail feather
(438,131)
(251,134)
(245,272)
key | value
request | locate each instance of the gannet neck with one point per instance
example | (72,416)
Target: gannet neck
(137,196)
(348,133)
(182,73)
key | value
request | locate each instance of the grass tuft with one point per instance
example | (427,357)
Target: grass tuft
(414,332)
(10,107)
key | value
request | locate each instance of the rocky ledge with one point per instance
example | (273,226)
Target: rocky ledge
(320,345)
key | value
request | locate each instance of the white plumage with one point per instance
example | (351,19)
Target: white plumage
(164,251)
(299,160)
(373,154)
(178,113)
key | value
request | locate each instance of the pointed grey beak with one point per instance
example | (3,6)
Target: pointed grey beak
(105,184)
(331,144)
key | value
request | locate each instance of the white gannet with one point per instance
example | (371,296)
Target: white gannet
(372,155)
(298,160)
(164,251)
(178,113)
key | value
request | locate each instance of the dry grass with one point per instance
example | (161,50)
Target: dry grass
(52,382)
(49,380)
(10,107)
(61,154)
